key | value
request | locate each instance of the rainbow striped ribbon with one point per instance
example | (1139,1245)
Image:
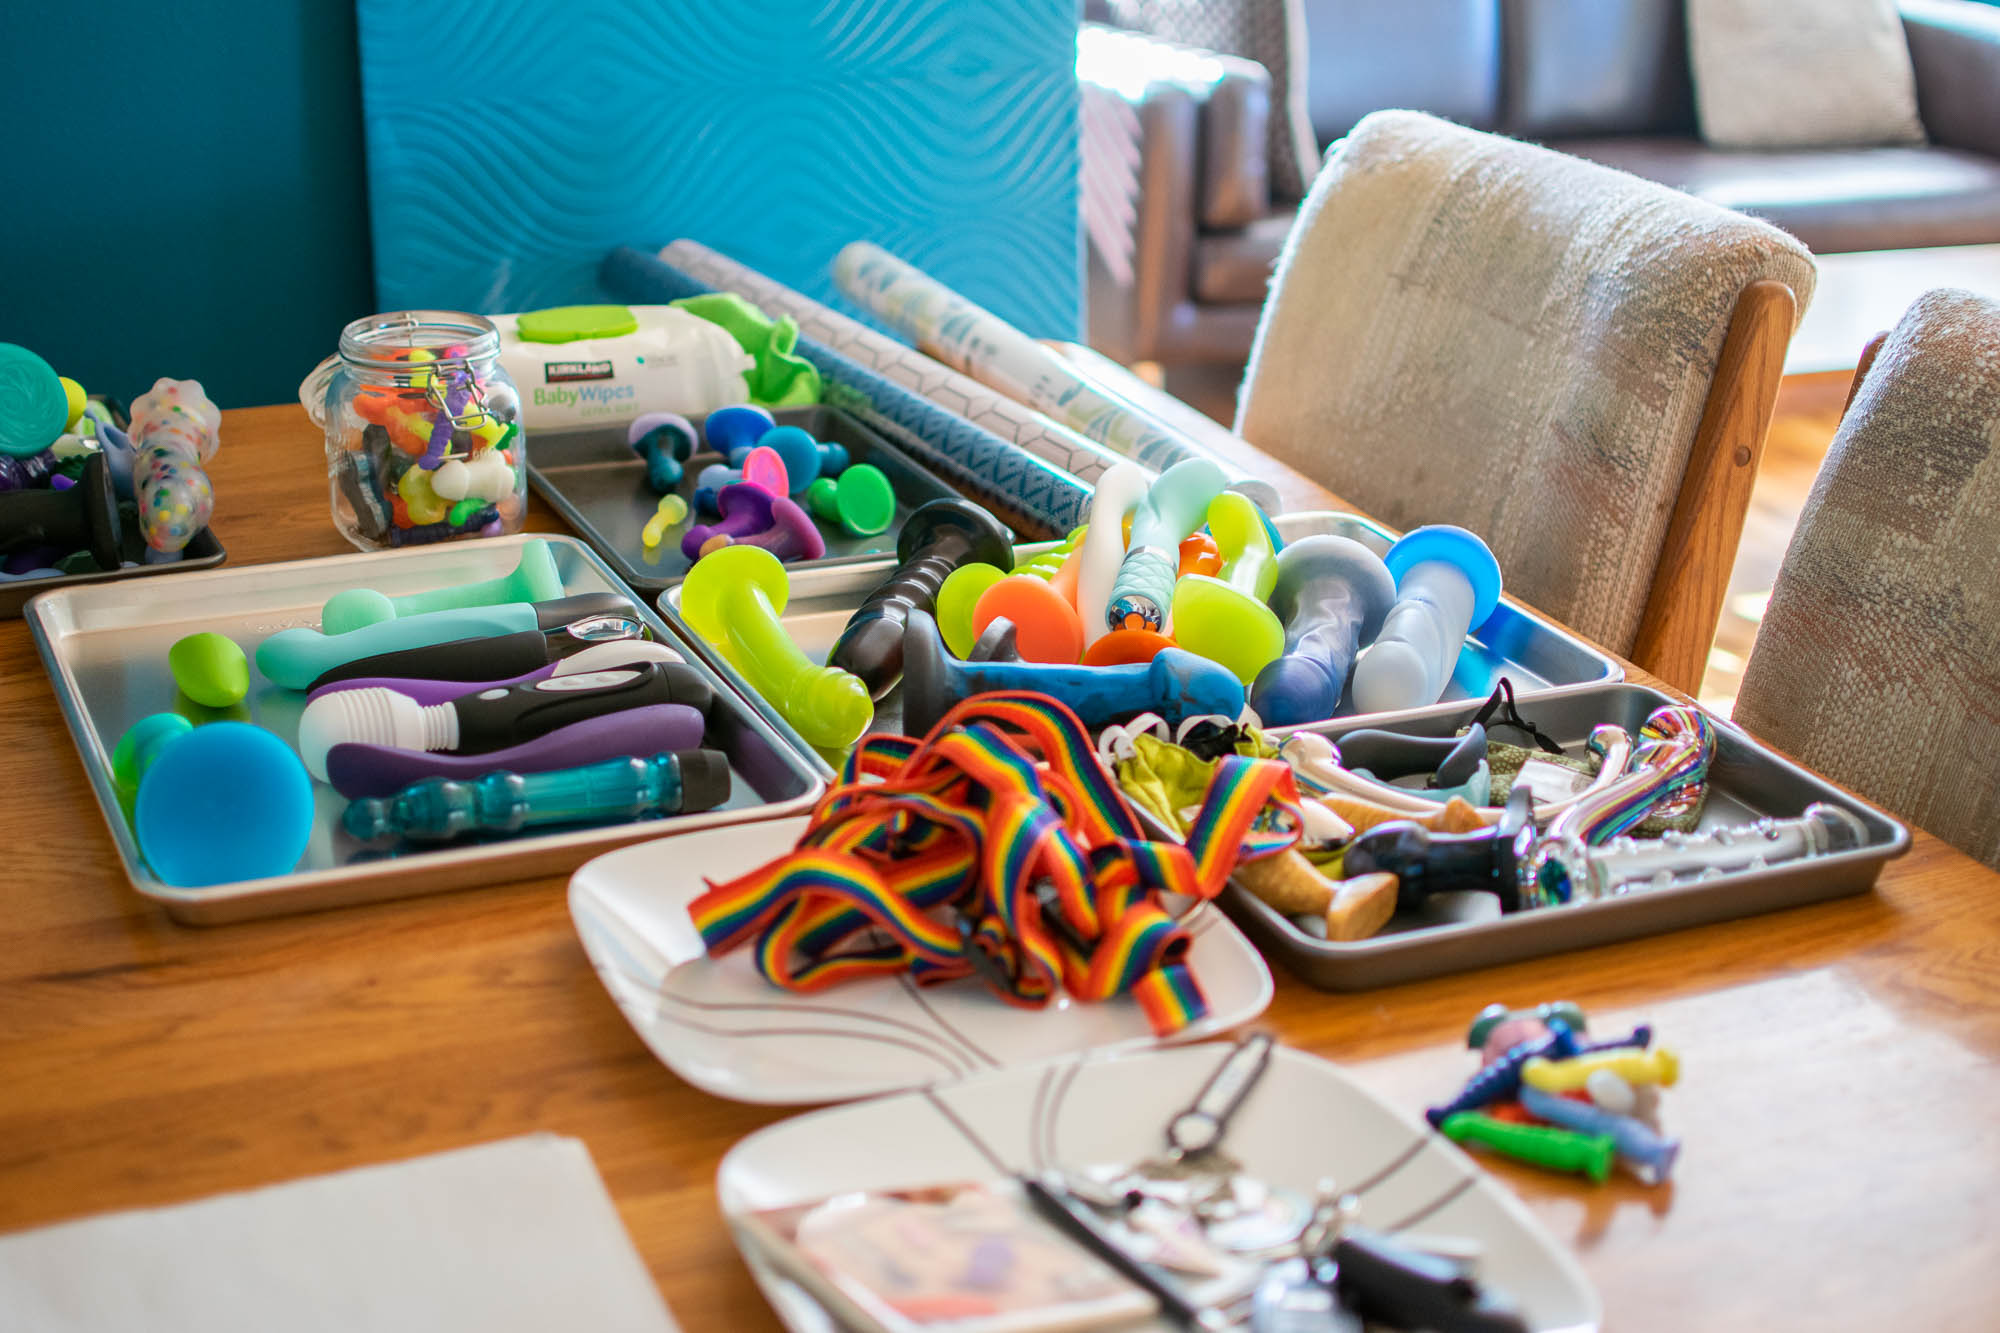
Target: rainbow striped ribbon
(998,847)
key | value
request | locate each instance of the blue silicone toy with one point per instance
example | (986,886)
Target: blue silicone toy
(805,458)
(1175,684)
(728,429)
(1333,594)
(1447,583)
(216,804)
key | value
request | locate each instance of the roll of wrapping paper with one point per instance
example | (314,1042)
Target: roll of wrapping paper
(1047,440)
(994,352)
(979,463)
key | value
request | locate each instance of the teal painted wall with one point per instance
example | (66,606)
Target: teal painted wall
(777,132)
(185,190)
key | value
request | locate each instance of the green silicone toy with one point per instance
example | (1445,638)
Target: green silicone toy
(534,579)
(210,669)
(733,597)
(958,597)
(1225,618)
(861,500)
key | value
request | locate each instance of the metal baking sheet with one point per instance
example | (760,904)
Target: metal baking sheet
(1536,655)
(105,648)
(203,552)
(1747,781)
(594,480)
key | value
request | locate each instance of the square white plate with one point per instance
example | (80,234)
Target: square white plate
(1305,1121)
(723,1028)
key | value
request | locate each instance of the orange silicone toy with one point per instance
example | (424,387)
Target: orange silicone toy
(1122,647)
(1199,555)
(1045,626)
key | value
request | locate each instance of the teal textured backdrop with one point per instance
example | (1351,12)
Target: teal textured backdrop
(512,143)
(185,193)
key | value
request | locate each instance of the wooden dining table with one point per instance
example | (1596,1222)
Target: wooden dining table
(1839,1100)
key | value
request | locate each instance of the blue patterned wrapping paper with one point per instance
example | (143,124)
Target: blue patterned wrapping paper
(971,458)
(512,142)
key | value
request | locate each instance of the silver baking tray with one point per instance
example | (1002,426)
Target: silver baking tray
(105,647)
(594,480)
(1746,781)
(1536,655)
(204,551)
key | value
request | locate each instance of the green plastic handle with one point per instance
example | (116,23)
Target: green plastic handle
(1541,1145)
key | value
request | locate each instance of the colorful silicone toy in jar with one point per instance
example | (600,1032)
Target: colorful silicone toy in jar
(423,439)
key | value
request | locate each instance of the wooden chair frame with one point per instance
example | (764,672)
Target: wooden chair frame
(1691,576)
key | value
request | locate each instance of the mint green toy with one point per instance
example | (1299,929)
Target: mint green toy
(1171,511)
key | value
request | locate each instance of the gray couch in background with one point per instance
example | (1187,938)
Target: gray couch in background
(1183,225)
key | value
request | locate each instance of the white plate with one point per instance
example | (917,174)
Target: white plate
(1305,1121)
(723,1028)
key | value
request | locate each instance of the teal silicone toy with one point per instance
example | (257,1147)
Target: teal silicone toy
(34,406)
(1171,511)
(1447,582)
(534,579)
(216,804)
(294,658)
(800,452)
(210,669)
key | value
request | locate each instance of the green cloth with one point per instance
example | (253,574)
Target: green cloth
(781,377)
(1164,779)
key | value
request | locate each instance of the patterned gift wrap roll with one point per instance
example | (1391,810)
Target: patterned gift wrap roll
(994,352)
(973,459)
(1055,444)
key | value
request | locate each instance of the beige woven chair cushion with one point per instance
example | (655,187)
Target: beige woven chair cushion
(1466,329)
(1878,662)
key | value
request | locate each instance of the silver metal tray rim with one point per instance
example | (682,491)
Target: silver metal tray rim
(1532,922)
(859,577)
(52,614)
(204,551)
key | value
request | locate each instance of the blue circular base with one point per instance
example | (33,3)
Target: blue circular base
(728,429)
(1454,546)
(227,802)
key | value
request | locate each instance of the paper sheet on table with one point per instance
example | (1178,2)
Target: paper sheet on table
(517,1235)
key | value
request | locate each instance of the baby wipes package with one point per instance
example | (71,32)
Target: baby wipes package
(604,365)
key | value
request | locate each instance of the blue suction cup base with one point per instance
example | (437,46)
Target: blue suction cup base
(227,802)
(1455,546)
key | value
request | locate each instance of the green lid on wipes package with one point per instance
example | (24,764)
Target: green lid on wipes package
(574,323)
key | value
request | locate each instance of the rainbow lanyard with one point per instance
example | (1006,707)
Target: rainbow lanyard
(998,847)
